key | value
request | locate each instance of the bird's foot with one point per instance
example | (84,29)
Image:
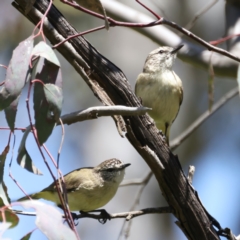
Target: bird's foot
(104,215)
(75,218)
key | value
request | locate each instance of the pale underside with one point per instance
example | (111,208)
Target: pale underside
(162,93)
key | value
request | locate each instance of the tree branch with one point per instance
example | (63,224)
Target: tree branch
(100,111)
(133,182)
(199,121)
(127,215)
(110,85)
(191,53)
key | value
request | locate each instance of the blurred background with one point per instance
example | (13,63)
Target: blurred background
(214,148)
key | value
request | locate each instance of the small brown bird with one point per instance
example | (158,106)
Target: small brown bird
(160,88)
(87,188)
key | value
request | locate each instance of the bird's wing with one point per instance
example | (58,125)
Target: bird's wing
(180,101)
(72,180)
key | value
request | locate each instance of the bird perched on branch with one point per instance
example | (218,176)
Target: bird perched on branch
(160,88)
(87,188)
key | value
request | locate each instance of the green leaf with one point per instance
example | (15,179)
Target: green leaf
(53,95)
(45,51)
(17,74)
(23,158)
(10,216)
(47,99)
(10,113)
(27,236)
(3,189)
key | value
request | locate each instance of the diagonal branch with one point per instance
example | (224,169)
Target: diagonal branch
(197,123)
(110,85)
(192,53)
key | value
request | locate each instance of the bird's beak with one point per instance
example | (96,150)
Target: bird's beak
(126,165)
(176,49)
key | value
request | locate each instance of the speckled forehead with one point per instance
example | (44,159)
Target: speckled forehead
(112,162)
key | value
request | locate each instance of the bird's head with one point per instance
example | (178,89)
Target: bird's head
(160,59)
(112,170)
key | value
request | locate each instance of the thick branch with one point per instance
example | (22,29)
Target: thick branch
(110,85)
(95,112)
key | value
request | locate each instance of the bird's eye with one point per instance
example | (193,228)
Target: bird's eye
(161,51)
(110,170)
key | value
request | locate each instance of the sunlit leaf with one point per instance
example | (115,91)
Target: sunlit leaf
(3,227)
(49,220)
(45,51)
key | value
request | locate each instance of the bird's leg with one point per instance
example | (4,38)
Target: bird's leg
(163,135)
(105,215)
(74,217)
(166,133)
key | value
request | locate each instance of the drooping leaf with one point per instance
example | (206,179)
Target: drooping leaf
(3,189)
(49,220)
(23,158)
(53,95)
(46,113)
(10,113)
(17,73)
(45,51)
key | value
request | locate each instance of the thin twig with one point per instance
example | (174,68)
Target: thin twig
(220,103)
(192,22)
(192,53)
(66,210)
(10,165)
(127,215)
(136,202)
(159,21)
(133,182)
(204,43)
